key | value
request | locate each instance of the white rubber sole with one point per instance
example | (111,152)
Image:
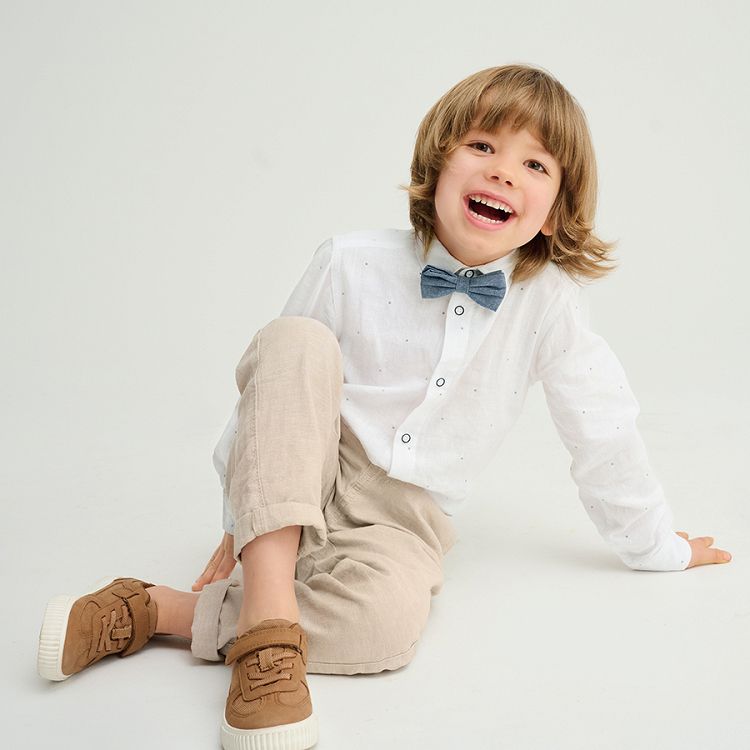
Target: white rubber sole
(298,736)
(52,635)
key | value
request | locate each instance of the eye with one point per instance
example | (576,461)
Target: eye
(480,146)
(480,143)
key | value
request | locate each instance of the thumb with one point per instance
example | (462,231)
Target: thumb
(683,534)
(199,582)
(204,577)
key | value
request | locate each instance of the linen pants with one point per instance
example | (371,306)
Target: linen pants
(371,546)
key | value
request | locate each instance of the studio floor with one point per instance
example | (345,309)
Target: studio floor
(539,639)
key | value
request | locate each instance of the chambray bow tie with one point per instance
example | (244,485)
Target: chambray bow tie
(487,289)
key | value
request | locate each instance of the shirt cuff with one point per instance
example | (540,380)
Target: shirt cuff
(674,554)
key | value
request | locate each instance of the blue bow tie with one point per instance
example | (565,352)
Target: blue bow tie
(487,289)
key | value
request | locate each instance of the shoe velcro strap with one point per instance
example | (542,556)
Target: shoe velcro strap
(265,638)
(143,627)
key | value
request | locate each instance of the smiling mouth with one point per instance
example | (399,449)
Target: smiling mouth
(482,210)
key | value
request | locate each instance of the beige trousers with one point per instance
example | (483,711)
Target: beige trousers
(371,547)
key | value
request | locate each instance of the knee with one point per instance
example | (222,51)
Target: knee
(289,339)
(296,328)
(302,336)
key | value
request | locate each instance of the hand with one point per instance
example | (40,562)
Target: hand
(220,565)
(702,552)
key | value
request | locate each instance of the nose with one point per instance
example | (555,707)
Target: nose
(498,170)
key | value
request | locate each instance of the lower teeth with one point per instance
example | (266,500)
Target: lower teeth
(484,218)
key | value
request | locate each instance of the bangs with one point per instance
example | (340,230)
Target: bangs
(537,108)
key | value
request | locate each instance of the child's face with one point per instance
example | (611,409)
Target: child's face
(508,166)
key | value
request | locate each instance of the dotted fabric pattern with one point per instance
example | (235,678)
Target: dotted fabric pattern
(433,385)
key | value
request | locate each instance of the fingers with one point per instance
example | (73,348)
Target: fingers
(219,566)
(225,565)
(703,552)
(711,556)
(207,574)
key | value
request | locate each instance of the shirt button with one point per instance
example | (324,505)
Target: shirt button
(470,273)
(406,437)
(440,381)
(458,309)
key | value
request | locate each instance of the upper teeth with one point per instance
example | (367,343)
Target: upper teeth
(494,204)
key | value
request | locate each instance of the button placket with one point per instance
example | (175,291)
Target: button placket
(455,344)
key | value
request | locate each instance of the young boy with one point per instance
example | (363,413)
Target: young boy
(392,375)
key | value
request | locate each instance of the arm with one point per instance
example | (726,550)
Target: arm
(594,412)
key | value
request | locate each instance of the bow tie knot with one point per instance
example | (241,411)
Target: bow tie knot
(486,289)
(463,283)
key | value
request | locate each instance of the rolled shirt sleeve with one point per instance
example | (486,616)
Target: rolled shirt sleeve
(594,411)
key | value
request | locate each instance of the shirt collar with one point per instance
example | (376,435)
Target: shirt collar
(438,256)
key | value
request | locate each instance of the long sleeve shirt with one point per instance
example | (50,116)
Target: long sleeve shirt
(433,385)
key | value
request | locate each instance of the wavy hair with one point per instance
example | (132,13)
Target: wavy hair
(528,97)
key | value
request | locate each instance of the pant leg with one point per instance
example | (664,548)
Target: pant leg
(283,461)
(365,595)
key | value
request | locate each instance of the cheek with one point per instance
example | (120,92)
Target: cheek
(442,196)
(544,203)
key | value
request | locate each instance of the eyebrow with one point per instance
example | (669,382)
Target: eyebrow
(533,146)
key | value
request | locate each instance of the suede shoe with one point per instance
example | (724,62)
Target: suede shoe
(117,618)
(269,706)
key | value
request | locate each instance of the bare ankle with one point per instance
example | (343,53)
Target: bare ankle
(268,573)
(174,610)
(250,619)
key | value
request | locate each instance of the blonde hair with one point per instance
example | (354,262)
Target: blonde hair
(524,97)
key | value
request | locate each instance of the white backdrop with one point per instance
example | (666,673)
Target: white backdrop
(166,171)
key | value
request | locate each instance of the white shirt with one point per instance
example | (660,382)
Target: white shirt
(432,386)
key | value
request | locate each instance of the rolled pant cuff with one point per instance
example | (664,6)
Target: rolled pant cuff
(268,518)
(205,627)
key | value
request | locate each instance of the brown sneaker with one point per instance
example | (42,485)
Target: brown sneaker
(118,618)
(269,706)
